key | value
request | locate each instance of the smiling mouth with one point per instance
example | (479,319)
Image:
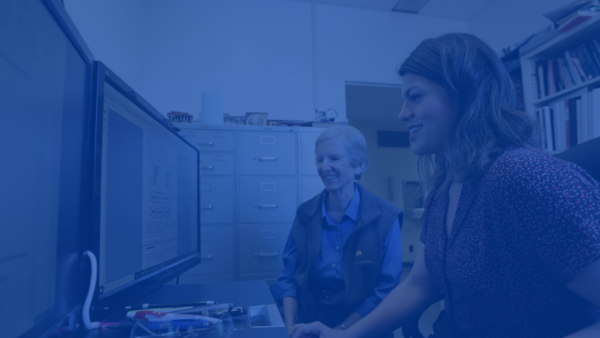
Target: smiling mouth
(415,128)
(330,177)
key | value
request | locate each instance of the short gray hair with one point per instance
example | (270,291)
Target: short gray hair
(354,145)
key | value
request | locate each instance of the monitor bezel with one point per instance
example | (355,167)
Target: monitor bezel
(130,294)
(45,327)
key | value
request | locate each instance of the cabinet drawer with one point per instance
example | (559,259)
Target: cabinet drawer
(310,187)
(216,200)
(267,199)
(261,247)
(217,251)
(267,153)
(216,164)
(213,140)
(308,165)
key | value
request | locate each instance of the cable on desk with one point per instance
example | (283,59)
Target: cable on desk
(88,300)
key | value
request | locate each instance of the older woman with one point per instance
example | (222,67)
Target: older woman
(343,255)
(510,234)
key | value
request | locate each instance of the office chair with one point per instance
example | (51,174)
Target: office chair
(586,155)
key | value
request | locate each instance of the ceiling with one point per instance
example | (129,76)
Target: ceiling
(462,10)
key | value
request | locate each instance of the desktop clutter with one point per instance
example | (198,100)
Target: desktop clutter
(186,320)
(211,114)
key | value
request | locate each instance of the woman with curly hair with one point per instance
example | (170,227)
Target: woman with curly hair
(510,235)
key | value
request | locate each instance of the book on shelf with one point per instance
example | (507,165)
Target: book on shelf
(541,77)
(550,78)
(557,14)
(565,76)
(577,17)
(590,68)
(594,54)
(573,71)
(579,65)
(568,122)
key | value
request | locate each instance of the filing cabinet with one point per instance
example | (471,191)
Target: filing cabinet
(267,199)
(268,152)
(252,181)
(217,200)
(216,164)
(262,248)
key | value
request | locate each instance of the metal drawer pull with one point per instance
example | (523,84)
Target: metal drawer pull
(260,254)
(209,143)
(207,167)
(211,256)
(265,158)
(207,207)
(265,206)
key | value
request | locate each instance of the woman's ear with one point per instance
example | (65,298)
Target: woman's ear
(359,168)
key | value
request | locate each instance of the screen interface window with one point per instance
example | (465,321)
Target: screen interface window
(149,195)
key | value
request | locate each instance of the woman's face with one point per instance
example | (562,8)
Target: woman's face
(428,112)
(333,166)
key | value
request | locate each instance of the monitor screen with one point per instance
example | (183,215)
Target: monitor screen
(45,70)
(147,191)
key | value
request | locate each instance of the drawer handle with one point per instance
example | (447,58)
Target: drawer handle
(207,207)
(260,254)
(265,158)
(207,167)
(265,206)
(209,143)
(211,256)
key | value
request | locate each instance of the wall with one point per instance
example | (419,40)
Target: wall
(115,33)
(256,54)
(399,163)
(281,57)
(503,23)
(365,46)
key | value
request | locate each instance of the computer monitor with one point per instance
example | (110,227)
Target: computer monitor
(146,194)
(45,68)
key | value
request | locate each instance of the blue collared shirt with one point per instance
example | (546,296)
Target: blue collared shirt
(328,269)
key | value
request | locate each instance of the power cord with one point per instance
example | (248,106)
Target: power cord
(88,300)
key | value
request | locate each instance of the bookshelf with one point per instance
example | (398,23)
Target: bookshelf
(569,114)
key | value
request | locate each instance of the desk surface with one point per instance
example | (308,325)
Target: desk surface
(243,293)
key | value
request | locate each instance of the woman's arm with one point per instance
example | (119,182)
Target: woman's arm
(407,301)
(349,321)
(586,284)
(290,313)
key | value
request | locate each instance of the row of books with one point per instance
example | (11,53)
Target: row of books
(568,122)
(576,67)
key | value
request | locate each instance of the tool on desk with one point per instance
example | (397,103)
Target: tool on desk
(158,326)
(184,310)
(158,316)
(234,311)
(225,306)
(151,306)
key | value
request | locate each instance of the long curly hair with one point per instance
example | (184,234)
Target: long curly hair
(487,122)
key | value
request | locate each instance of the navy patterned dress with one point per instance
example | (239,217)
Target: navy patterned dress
(521,232)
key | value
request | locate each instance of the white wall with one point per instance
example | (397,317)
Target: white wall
(256,54)
(399,163)
(281,57)
(366,46)
(114,30)
(503,23)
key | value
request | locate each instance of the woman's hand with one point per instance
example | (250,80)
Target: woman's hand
(316,329)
